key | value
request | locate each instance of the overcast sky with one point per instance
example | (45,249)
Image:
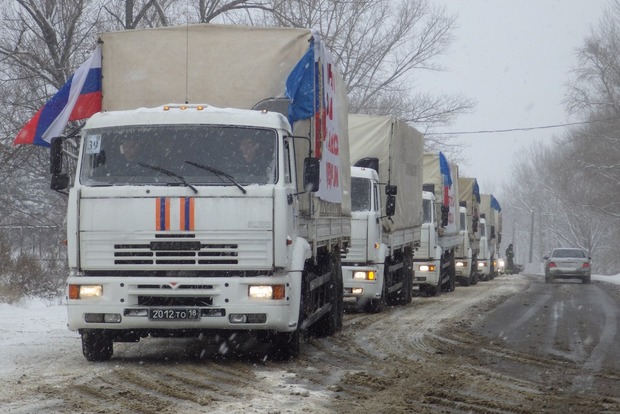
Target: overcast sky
(514,58)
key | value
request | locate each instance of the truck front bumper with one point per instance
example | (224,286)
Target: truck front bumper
(359,290)
(463,267)
(484,268)
(426,273)
(143,303)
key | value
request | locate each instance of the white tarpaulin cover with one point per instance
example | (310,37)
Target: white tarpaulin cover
(433,175)
(399,148)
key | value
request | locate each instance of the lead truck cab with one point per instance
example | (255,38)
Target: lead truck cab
(182,239)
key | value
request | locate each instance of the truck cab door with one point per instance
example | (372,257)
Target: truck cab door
(375,229)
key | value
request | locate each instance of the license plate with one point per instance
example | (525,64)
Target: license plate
(174,314)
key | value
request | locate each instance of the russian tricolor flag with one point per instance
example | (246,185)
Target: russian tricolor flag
(444,169)
(79,98)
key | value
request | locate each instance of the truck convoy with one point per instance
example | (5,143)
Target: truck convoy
(469,243)
(490,236)
(434,260)
(386,157)
(186,238)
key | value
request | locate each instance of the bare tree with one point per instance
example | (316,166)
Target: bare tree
(379,46)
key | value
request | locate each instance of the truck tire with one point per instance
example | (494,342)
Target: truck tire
(406,293)
(465,281)
(287,345)
(409,276)
(434,290)
(332,322)
(96,345)
(377,305)
(473,278)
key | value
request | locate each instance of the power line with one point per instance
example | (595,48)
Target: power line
(495,131)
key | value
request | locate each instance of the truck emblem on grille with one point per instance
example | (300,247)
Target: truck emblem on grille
(173,285)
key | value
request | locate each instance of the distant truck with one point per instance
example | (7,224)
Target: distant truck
(386,154)
(469,245)
(434,260)
(188,240)
(490,236)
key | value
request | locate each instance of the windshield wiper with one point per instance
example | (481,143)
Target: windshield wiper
(218,173)
(170,174)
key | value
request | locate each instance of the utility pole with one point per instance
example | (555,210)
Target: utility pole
(532,237)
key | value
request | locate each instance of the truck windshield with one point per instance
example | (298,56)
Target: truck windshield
(360,194)
(118,155)
(427,211)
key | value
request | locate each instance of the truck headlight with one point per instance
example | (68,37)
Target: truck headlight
(460,264)
(364,275)
(501,263)
(266,292)
(427,268)
(85,291)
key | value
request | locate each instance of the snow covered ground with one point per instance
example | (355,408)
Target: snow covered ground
(33,324)
(37,350)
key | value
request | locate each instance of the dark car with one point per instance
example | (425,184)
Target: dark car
(567,263)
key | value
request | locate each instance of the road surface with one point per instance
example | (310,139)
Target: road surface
(510,345)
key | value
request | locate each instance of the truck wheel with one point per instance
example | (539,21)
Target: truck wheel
(408,269)
(473,279)
(96,346)
(286,345)
(377,305)
(332,322)
(465,281)
(434,290)
(452,284)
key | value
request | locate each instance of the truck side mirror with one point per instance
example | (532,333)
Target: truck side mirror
(445,210)
(390,205)
(56,155)
(59,182)
(312,173)
(391,190)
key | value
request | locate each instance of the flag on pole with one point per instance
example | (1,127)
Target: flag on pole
(79,98)
(444,168)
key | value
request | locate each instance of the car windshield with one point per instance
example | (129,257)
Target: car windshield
(559,253)
(161,154)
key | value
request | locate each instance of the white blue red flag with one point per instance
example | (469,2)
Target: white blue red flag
(444,168)
(79,98)
(311,88)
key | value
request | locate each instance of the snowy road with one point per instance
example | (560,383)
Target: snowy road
(447,354)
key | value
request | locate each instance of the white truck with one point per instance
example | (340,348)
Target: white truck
(490,236)
(188,241)
(386,154)
(469,245)
(434,260)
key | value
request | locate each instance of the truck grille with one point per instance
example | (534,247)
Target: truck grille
(196,254)
(174,301)
(356,252)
